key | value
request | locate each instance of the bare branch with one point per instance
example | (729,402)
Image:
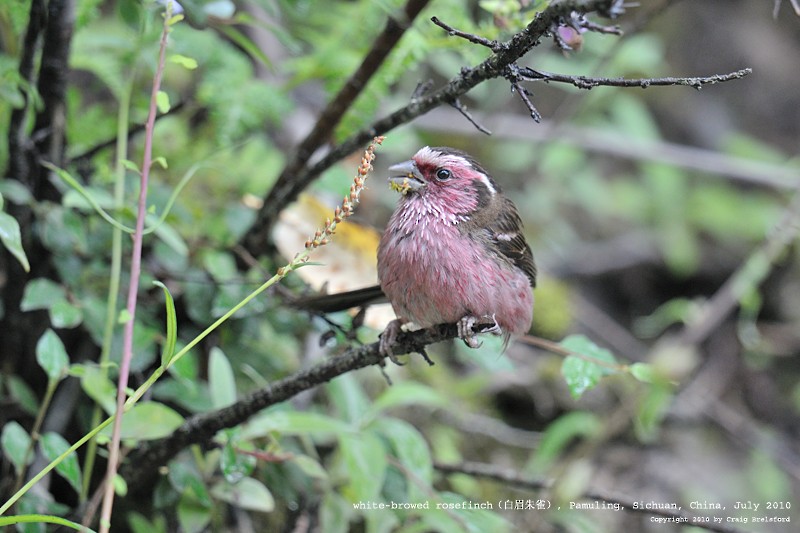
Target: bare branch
(145,460)
(585,82)
(494,46)
(512,478)
(463,110)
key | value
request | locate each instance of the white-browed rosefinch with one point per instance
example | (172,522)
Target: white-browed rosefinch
(453,251)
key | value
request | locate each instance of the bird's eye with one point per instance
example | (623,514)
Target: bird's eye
(443,174)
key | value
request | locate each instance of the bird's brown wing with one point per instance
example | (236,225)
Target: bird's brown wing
(505,230)
(499,227)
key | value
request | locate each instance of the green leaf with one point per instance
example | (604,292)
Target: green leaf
(15,192)
(172,326)
(96,385)
(365,462)
(124,316)
(193,517)
(171,238)
(234,464)
(334,513)
(12,239)
(147,421)
(186,62)
(651,409)
(584,370)
(310,467)
(120,486)
(249,494)
(221,265)
(220,379)
(53,445)
(406,393)
(185,479)
(643,372)
(41,293)
(174,19)
(414,454)
(131,165)
(65,315)
(162,162)
(15,442)
(349,399)
(22,394)
(51,355)
(293,423)
(162,101)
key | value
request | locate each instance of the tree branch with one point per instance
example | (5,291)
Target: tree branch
(512,478)
(52,84)
(585,82)
(19,158)
(145,460)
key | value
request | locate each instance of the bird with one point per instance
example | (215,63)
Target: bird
(453,252)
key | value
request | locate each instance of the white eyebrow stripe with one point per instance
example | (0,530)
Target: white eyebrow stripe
(489,185)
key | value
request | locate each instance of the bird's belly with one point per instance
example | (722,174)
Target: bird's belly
(433,279)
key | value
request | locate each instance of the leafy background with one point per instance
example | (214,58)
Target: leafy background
(639,205)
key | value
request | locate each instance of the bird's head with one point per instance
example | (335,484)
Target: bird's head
(444,178)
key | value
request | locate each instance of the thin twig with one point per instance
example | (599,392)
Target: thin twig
(494,46)
(133,289)
(585,82)
(463,110)
(512,478)
(523,95)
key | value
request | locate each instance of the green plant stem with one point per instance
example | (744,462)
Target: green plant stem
(55,462)
(41,518)
(114,276)
(37,424)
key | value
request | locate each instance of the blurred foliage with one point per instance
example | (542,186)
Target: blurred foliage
(357,442)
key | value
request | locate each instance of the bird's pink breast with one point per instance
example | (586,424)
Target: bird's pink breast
(432,274)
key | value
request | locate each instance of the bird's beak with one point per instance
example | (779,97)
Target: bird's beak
(405,177)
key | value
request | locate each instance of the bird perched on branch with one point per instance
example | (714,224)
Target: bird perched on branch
(453,252)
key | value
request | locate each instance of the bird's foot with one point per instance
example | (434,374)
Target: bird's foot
(388,338)
(466,333)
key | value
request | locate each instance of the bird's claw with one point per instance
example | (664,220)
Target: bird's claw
(494,329)
(388,338)
(467,333)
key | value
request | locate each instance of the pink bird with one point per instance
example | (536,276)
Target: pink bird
(453,251)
